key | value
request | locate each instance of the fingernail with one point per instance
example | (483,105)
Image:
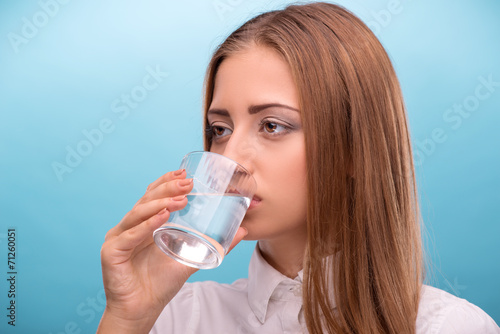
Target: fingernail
(185,182)
(178,198)
(179,172)
(162,211)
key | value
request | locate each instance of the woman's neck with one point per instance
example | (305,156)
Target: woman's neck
(284,254)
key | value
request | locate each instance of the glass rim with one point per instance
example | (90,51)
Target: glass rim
(223,156)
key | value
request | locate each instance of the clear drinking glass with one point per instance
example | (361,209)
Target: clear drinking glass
(199,235)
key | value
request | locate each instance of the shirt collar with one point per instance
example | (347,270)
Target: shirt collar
(263,280)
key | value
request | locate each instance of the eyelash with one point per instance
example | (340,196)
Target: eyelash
(286,129)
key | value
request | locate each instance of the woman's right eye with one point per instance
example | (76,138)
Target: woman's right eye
(220,131)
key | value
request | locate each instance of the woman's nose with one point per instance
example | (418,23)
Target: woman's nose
(243,150)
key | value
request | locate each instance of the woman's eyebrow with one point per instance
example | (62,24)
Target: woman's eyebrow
(218,111)
(258,108)
(253,109)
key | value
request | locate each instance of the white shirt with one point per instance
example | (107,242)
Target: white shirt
(269,302)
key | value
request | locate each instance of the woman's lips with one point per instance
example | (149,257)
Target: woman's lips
(255,202)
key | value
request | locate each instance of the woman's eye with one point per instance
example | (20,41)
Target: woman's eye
(271,127)
(220,131)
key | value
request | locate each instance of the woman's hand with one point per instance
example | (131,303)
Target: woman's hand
(139,279)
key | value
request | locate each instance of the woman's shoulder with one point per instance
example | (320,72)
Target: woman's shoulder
(212,288)
(442,312)
(209,293)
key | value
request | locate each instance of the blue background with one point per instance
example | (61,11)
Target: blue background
(67,76)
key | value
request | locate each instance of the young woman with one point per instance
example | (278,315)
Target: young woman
(307,100)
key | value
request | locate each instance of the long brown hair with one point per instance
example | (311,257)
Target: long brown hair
(362,200)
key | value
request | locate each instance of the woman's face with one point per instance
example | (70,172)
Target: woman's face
(254,120)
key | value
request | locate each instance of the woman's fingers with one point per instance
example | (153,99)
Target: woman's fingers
(124,244)
(168,192)
(170,188)
(142,212)
(176,174)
